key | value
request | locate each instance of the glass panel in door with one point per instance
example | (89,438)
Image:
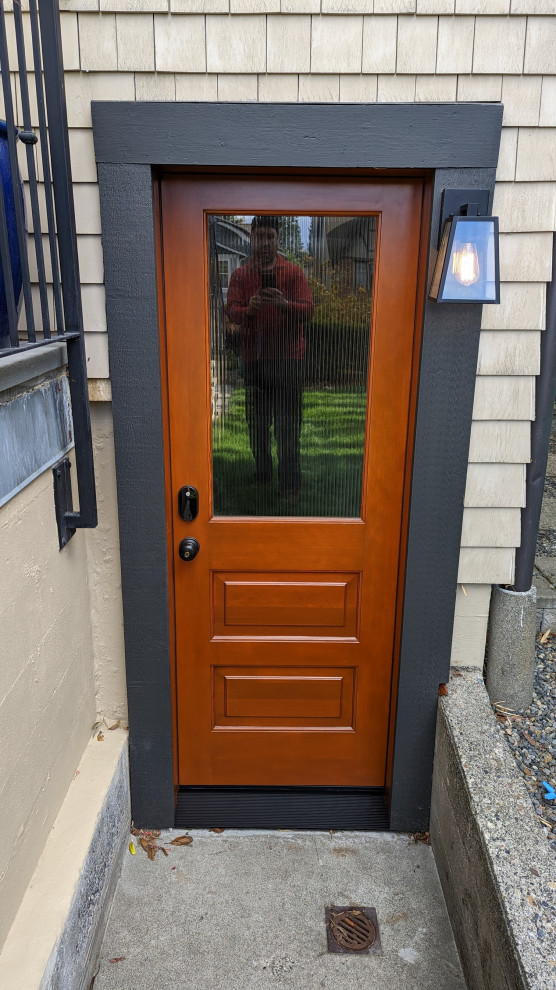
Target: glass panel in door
(290,323)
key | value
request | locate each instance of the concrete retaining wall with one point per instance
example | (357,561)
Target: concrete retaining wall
(53,943)
(487,841)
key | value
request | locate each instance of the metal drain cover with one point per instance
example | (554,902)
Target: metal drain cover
(352,929)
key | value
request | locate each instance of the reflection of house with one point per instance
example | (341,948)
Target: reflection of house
(349,243)
(232,244)
(353,241)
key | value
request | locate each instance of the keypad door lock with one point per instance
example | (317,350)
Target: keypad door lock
(188,548)
(188,503)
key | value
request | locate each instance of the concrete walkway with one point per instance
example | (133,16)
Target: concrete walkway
(245,911)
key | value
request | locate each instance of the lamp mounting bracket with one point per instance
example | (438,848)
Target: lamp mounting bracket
(463,202)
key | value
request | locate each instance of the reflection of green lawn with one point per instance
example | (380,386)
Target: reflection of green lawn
(332,439)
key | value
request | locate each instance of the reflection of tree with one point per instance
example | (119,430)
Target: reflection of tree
(334,298)
(338,336)
(290,238)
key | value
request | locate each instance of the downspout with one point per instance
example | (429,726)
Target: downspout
(540,437)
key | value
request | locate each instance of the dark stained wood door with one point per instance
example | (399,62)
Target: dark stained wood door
(285,621)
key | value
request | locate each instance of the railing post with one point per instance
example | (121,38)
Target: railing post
(54,85)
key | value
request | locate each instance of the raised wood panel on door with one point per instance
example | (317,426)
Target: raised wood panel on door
(279,698)
(284,605)
(285,627)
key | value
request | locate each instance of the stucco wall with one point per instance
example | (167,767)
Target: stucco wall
(47,700)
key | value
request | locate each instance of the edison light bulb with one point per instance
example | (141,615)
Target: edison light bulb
(465,264)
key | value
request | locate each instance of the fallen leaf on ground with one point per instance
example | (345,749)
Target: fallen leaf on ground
(421,837)
(534,871)
(149,846)
(442,690)
(117,959)
(217,830)
(132,848)
(100,736)
(456,673)
(546,636)
(182,840)
(115,726)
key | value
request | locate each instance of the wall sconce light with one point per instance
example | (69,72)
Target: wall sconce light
(467,266)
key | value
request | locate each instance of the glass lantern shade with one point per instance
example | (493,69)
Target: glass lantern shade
(467,267)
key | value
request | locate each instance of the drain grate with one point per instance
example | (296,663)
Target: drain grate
(352,929)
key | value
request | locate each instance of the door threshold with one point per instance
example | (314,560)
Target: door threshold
(319,808)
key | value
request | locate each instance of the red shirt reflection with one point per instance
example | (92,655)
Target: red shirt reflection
(270,318)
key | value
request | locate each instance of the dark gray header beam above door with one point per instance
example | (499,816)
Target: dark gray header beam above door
(299,135)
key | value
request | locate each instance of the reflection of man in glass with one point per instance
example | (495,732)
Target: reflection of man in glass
(269,299)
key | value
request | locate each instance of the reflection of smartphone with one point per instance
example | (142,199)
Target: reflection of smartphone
(268,280)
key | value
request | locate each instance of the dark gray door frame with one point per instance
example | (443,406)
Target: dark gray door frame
(458,145)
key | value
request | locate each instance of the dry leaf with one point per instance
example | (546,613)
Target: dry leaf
(456,673)
(100,736)
(534,871)
(442,690)
(546,636)
(115,726)
(182,840)
(421,837)
(163,850)
(217,830)
(132,848)
(149,847)
(117,959)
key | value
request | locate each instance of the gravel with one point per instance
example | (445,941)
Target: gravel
(550,487)
(546,542)
(531,735)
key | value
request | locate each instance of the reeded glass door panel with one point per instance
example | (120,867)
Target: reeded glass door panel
(290,324)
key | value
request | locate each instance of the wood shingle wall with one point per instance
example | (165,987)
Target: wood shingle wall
(361,51)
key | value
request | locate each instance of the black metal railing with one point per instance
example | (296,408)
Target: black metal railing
(55,314)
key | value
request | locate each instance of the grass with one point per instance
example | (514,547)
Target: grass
(332,441)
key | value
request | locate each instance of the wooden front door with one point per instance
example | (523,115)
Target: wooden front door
(289,315)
